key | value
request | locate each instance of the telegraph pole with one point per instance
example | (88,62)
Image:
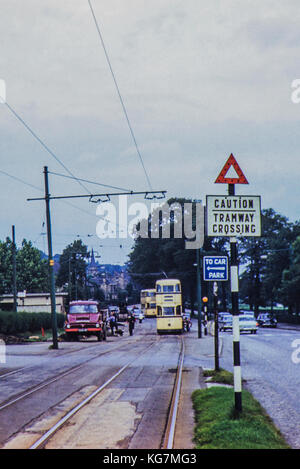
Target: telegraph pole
(96,198)
(50,260)
(199,301)
(14,268)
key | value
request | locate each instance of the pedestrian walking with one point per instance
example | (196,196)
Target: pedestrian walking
(131,321)
(112,323)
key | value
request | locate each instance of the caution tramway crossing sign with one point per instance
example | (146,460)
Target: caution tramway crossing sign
(233,215)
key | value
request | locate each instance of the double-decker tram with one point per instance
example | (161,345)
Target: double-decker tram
(148,304)
(143,301)
(168,306)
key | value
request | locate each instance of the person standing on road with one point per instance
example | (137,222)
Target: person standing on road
(131,321)
(112,323)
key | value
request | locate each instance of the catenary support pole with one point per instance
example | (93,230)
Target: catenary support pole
(50,261)
(234,277)
(14,268)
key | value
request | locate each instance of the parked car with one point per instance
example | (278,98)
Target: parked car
(225,322)
(266,320)
(247,323)
(248,313)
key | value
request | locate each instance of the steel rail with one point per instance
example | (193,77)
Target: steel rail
(44,438)
(168,440)
(46,383)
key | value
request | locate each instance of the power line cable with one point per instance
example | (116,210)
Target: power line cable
(90,182)
(44,145)
(57,159)
(119,94)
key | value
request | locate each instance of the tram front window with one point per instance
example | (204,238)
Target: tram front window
(169,311)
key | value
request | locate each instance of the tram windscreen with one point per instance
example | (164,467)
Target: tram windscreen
(169,311)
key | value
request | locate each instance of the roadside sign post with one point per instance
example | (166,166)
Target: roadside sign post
(233,216)
(198,260)
(215,292)
(204,301)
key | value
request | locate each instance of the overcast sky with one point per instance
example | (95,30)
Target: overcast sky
(199,80)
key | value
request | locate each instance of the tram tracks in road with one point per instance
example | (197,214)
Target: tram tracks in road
(44,439)
(169,434)
(40,438)
(59,376)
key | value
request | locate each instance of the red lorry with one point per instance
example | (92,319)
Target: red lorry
(85,318)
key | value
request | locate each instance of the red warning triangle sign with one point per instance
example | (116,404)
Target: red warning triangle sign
(231,163)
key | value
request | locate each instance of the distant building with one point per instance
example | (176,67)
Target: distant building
(110,278)
(33,302)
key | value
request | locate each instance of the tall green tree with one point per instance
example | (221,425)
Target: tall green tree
(72,270)
(32,271)
(154,256)
(290,287)
(264,259)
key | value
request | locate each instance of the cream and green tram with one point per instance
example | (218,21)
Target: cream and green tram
(168,306)
(150,303)
(143,301)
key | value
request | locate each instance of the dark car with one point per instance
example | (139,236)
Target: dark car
(266,320)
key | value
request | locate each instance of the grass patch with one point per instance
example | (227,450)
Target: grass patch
(217,426)
(221,376)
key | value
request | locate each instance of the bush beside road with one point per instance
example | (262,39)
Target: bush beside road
(18,324)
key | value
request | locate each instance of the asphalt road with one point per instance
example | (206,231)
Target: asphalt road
(134,406)
(270,363)
(132,410)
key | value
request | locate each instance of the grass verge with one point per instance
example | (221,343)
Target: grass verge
(217,426)
(221,376)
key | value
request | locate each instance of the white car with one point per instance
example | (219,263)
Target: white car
(247,323)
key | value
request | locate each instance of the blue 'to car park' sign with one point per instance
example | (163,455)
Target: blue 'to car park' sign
(215,268)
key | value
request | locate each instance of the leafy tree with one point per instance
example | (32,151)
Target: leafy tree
(32,271)
(265,259)
(72,270)
(154,257)
(6,272)
(290,288)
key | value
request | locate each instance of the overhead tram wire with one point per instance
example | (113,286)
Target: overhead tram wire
(44,145)
(90,182)
(119,94)
(60,200)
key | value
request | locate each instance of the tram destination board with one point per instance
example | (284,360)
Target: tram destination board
(228,215)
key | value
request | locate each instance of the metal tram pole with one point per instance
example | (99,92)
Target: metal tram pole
(234,277)
(14,268)
(51,261)
(198,257)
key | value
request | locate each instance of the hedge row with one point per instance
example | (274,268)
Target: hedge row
(14,323)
